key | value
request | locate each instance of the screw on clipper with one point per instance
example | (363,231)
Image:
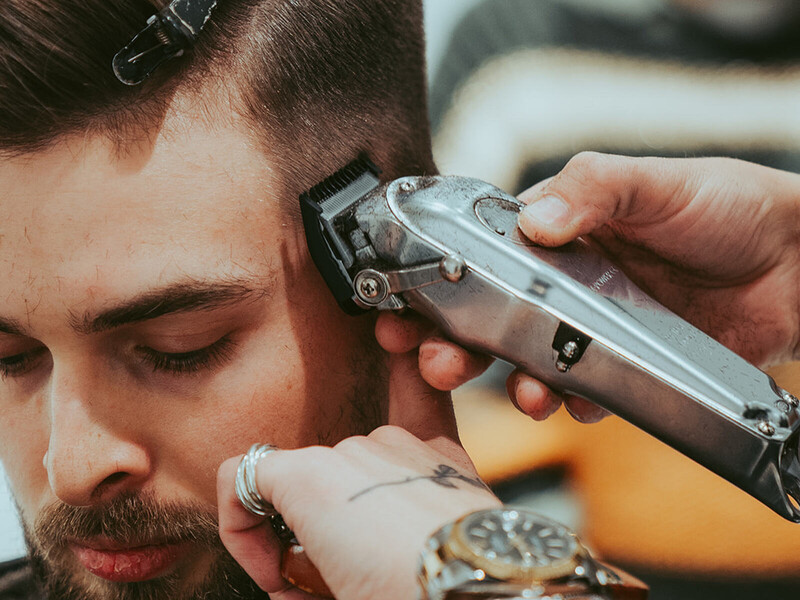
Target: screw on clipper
(790,399)
(764,417)
(570,345)
(570,349)
(766,428)
(371,286)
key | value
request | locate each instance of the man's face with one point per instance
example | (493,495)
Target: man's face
(159,314)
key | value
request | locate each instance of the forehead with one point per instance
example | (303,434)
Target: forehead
(81,219)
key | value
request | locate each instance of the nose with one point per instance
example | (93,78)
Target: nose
(91,456)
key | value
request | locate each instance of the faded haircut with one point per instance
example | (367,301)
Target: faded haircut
(318,80)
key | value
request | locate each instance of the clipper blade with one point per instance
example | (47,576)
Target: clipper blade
(321,206)
(330,187)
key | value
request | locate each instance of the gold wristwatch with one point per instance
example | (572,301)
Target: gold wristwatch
(515,553)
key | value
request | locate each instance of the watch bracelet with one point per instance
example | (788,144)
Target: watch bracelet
(436,578)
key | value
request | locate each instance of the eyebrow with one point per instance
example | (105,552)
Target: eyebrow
(182,297)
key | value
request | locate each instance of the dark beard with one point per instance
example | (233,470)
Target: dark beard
(133,519)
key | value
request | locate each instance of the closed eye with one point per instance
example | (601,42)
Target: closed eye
(20,364)
(179,363)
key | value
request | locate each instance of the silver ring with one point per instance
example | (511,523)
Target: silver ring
(246,487)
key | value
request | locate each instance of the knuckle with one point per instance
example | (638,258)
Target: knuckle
(355,442)
(301,463)
(603,185)
(390,434)
(297,462)
(587,158)
(590,168)
(293,471)
(314,454)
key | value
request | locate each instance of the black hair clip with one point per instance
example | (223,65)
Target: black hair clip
(167,35)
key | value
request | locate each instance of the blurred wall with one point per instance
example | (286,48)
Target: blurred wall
(11,543)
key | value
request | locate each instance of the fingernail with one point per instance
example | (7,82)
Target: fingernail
(550,210)
(577,416)
(587,414)
(431,348)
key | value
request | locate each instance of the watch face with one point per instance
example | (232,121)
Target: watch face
(515,544)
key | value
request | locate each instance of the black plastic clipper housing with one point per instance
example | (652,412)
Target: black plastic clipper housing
(168,35)
(326,203)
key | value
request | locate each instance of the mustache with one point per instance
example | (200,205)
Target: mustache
(131,519)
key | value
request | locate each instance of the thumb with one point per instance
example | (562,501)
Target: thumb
(419,408)
(594,189)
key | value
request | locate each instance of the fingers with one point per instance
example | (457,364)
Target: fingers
(446,366)
(594,189)
(538,401)
(531,396)
(401,333)
(249,538)
(418,401)
(535,191)
(328,495)
(583,410)
(443,365)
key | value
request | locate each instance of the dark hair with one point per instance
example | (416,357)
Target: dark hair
(321,79)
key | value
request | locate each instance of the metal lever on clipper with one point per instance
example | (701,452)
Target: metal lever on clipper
(449,248)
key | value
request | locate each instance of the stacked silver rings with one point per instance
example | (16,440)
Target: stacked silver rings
(246,486)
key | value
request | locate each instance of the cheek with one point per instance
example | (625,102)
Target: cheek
(23,443)
(292,386)
(266,397)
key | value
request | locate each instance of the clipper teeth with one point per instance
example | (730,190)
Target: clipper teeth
(326,190)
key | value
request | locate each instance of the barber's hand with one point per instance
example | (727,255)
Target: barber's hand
(362,510)
(715,240)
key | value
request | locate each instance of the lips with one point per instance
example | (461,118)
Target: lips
(115,562)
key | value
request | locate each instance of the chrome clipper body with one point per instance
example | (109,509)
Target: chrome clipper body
(449,248)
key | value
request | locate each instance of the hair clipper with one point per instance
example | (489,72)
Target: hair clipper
(449,248)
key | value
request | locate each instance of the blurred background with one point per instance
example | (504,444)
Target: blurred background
(521,86)
(517,88)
